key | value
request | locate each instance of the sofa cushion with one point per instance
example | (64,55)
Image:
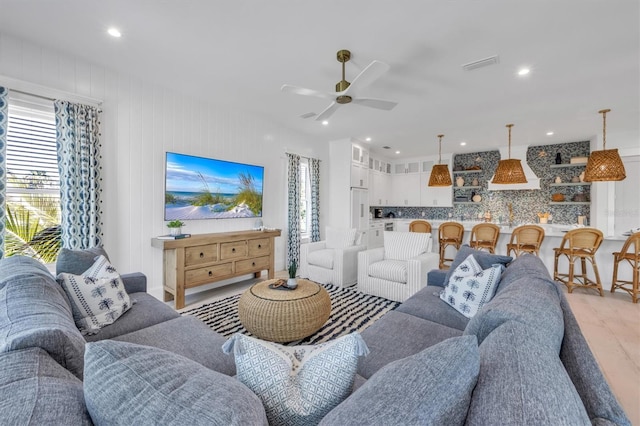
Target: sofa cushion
(19,267)
(200,343)
(432,387)
(397,335)
(530,300)
(322,258)
(149,386)
(77,261)
(97,297)
(426,304)
(35,313)
(146,312)
(405,245)
(471,286)
(520,383)
(390,270)
(36,390)
(524,265)
(298,385)
(484,259)
(339,238)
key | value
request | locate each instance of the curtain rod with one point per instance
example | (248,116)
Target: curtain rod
(302,156)
(44,92)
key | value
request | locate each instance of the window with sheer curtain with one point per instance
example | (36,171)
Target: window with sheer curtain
(32,180)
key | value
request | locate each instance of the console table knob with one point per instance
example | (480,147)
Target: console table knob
(201,255)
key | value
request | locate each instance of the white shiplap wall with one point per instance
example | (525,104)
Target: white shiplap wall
(140,122)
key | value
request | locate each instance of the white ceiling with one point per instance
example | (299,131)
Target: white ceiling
(584,56)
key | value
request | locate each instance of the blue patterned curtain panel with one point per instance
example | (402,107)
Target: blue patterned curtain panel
(78,146)
(314,168)
(293,238)
(4,114)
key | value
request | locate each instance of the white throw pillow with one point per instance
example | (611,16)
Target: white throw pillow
(97,297)
(339,238)
(470,286)
(298,385)
(405,245)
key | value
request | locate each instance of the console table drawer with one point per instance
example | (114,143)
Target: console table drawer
(211,273)
(259,247)
(251,265)
(233,250)
(200,254)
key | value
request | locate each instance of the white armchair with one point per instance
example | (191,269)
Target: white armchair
(399,269)
(334,260)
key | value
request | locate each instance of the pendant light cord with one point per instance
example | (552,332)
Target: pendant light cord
(604,127)
(509,126)
(440,148)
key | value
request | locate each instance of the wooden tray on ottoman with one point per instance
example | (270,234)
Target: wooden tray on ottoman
(284,316)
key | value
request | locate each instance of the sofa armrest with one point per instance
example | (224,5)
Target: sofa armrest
(135,282)
(315,246)
(305,249)
(346,265)
(436,277)
(417,268)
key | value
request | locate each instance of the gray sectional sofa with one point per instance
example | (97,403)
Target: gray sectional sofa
(532,364)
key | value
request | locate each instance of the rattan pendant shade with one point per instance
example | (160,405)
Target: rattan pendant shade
(605,165)
(509,171)
(440,175)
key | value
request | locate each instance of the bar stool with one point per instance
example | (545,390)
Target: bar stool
(579,244)
(449,234)
(420,226)
(631,255)
(526,239)
(484,236)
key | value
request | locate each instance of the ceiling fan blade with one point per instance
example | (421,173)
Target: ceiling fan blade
(328,112)
(375,103)
(368,75)
(287,88)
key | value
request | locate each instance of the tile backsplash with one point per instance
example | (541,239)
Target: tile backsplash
(526,204)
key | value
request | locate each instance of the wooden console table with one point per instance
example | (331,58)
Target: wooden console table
(206,258)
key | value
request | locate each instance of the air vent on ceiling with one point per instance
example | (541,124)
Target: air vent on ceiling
(491,60)
(386,147)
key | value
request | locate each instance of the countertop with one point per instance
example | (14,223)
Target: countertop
(551,230)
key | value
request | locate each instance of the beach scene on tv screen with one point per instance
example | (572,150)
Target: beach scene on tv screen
(205,188)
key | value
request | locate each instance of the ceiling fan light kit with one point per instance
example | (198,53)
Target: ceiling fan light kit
(509,171)
(346,92)
(605,165)
(440,175)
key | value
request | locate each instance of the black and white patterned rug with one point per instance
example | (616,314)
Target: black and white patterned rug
(350,311)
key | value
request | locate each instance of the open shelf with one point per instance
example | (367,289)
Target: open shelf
(468,187)
(561,166)
(466,202)
(571,184)
(465,172)
(569,203)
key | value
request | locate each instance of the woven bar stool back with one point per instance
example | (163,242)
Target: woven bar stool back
(449,234)
(579,245)
(526,239)
(484,236)
(630,254)
(420,226)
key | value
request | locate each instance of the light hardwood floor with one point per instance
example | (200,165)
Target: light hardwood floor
(611,325)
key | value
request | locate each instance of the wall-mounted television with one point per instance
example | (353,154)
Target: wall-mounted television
(206,188)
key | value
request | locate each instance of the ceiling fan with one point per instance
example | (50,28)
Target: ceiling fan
(347,92)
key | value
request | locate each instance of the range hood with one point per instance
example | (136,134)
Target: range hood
(518,152)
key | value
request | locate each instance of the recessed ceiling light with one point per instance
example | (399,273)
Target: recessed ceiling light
(397,152)
(368,139)
(325,123)
(113,32)
(549,133)
(524,71)
(463,143)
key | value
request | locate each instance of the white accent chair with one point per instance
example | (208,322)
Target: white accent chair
(399,269)
(333,260)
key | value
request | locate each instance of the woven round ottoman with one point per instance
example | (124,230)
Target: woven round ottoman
(284,315)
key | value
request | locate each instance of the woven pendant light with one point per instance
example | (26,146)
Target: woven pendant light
(605,165)
(509,171)
(440,175)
